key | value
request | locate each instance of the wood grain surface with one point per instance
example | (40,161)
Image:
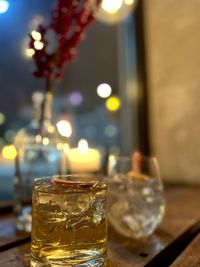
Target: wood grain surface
(181,213)
(190,256)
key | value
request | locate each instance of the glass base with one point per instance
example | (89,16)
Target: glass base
(78,259)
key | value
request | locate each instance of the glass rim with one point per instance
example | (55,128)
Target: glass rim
(129,157)
(75,186)
(125,159)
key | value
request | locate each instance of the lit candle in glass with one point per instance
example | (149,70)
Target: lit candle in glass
(84,159)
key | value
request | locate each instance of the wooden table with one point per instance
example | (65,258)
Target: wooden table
(176,243)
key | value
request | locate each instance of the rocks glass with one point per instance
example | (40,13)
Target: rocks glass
(135,195)
(69,226)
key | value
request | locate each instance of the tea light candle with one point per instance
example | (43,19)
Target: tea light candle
(84,159)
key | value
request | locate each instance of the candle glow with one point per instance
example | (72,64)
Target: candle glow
(83,159)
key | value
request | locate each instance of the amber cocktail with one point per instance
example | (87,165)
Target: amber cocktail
(69,226)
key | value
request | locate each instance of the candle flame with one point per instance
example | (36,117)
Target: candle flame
(83,146)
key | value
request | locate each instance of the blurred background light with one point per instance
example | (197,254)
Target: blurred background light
(45,141)
(9,135)
(113,103)
(38,138)
(2,118)
(66,148)
(59,146)
(110,130)
(29,52)
(51,129)
(104,90)
(76,98)
(64,128)
(115,11)
(38,45)
(9,152)
(129,2)
(26,51)
(36,35)
(111,6)
(4,5)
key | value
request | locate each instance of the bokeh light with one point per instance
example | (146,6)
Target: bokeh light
(9,135)
(115,11)
(76,98)
(113,103)
(38,45)
(36,35)
(4,5)
(29,52)
(129,2)
(9,152)
(110,130)
(45,141)
(111,6)
(2,118)
(66,148)
(59,146)
(104,90)
(51,129)
(26,51)
(38,138)
(64,128)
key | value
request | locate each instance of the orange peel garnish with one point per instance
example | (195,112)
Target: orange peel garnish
(72,184)
(137,175)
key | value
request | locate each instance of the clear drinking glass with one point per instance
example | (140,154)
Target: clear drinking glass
(69,226)
(38,155)
(136,203)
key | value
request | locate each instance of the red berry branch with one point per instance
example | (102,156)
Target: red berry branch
(69,20)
